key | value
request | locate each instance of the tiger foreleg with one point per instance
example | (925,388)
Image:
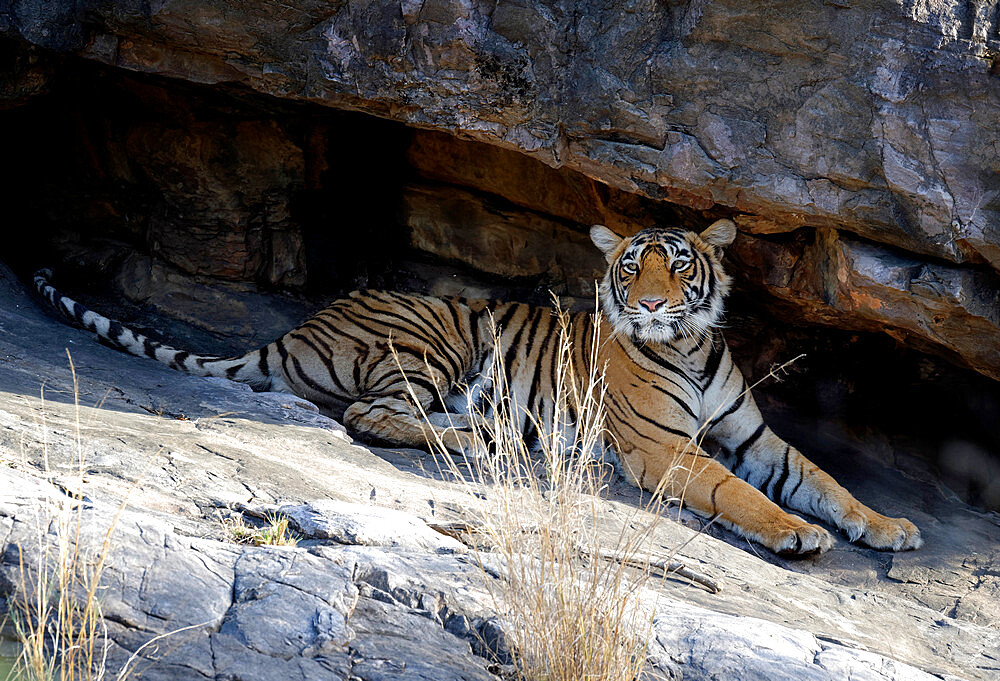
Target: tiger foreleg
(808,488)
(789,478)
(394,419)
(706,487)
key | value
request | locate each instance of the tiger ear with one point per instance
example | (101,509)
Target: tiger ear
(606,240)
(720,233)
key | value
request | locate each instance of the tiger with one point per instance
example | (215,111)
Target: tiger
(379,361)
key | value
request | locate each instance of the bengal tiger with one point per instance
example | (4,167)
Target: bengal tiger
(669,376)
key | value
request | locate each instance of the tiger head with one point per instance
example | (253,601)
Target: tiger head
(662,284)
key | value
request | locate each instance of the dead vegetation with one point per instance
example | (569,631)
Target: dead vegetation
(56,608)
(575,603)
(274,533)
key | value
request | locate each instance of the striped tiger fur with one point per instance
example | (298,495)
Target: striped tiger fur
(671,383)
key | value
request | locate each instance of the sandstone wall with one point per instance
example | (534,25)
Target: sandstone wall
(868,126)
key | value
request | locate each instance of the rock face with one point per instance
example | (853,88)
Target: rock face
(372,592)
(223,210)
(834,278)
(460,226)
(875,118)
(23,76)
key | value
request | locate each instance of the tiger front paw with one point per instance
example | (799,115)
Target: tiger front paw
(867,527)
(799,538)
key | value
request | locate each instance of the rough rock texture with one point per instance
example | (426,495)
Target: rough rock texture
(832,277)
(724,646)
(224,184)
(874,118)
(458,225)
(525,182)
(231,310)
(22,77)
(825,275)
(198,185)
(322,612)
(356,600)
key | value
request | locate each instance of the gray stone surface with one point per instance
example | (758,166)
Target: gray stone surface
(366,525)
(255,613)
(721,646)
(353,601)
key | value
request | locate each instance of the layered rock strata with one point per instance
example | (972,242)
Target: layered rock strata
(871,120)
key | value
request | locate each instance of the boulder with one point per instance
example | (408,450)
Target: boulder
(830,277)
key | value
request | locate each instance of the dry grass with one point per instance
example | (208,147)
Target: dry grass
(236,531)
(570,614)
(274,533)
(57,613)
(56,610)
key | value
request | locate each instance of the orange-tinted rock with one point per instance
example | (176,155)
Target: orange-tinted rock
(834,279)
(459,225)
(530,183)
(225,191)
(873,119)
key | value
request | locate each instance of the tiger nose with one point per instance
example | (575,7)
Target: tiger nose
(652,304)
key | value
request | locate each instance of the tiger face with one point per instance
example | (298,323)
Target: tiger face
(662,284)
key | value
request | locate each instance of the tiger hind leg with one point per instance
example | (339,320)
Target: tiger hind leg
(445,419)
(393,419)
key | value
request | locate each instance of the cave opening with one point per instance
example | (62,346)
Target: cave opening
(217,218)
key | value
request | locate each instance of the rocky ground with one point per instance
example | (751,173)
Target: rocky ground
(372,593)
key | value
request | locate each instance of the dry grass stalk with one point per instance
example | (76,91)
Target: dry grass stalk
(56,611)
(277,533)
(570,615)
(57,614)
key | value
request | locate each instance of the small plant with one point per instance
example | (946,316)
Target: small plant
(237,531)
(274,533)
